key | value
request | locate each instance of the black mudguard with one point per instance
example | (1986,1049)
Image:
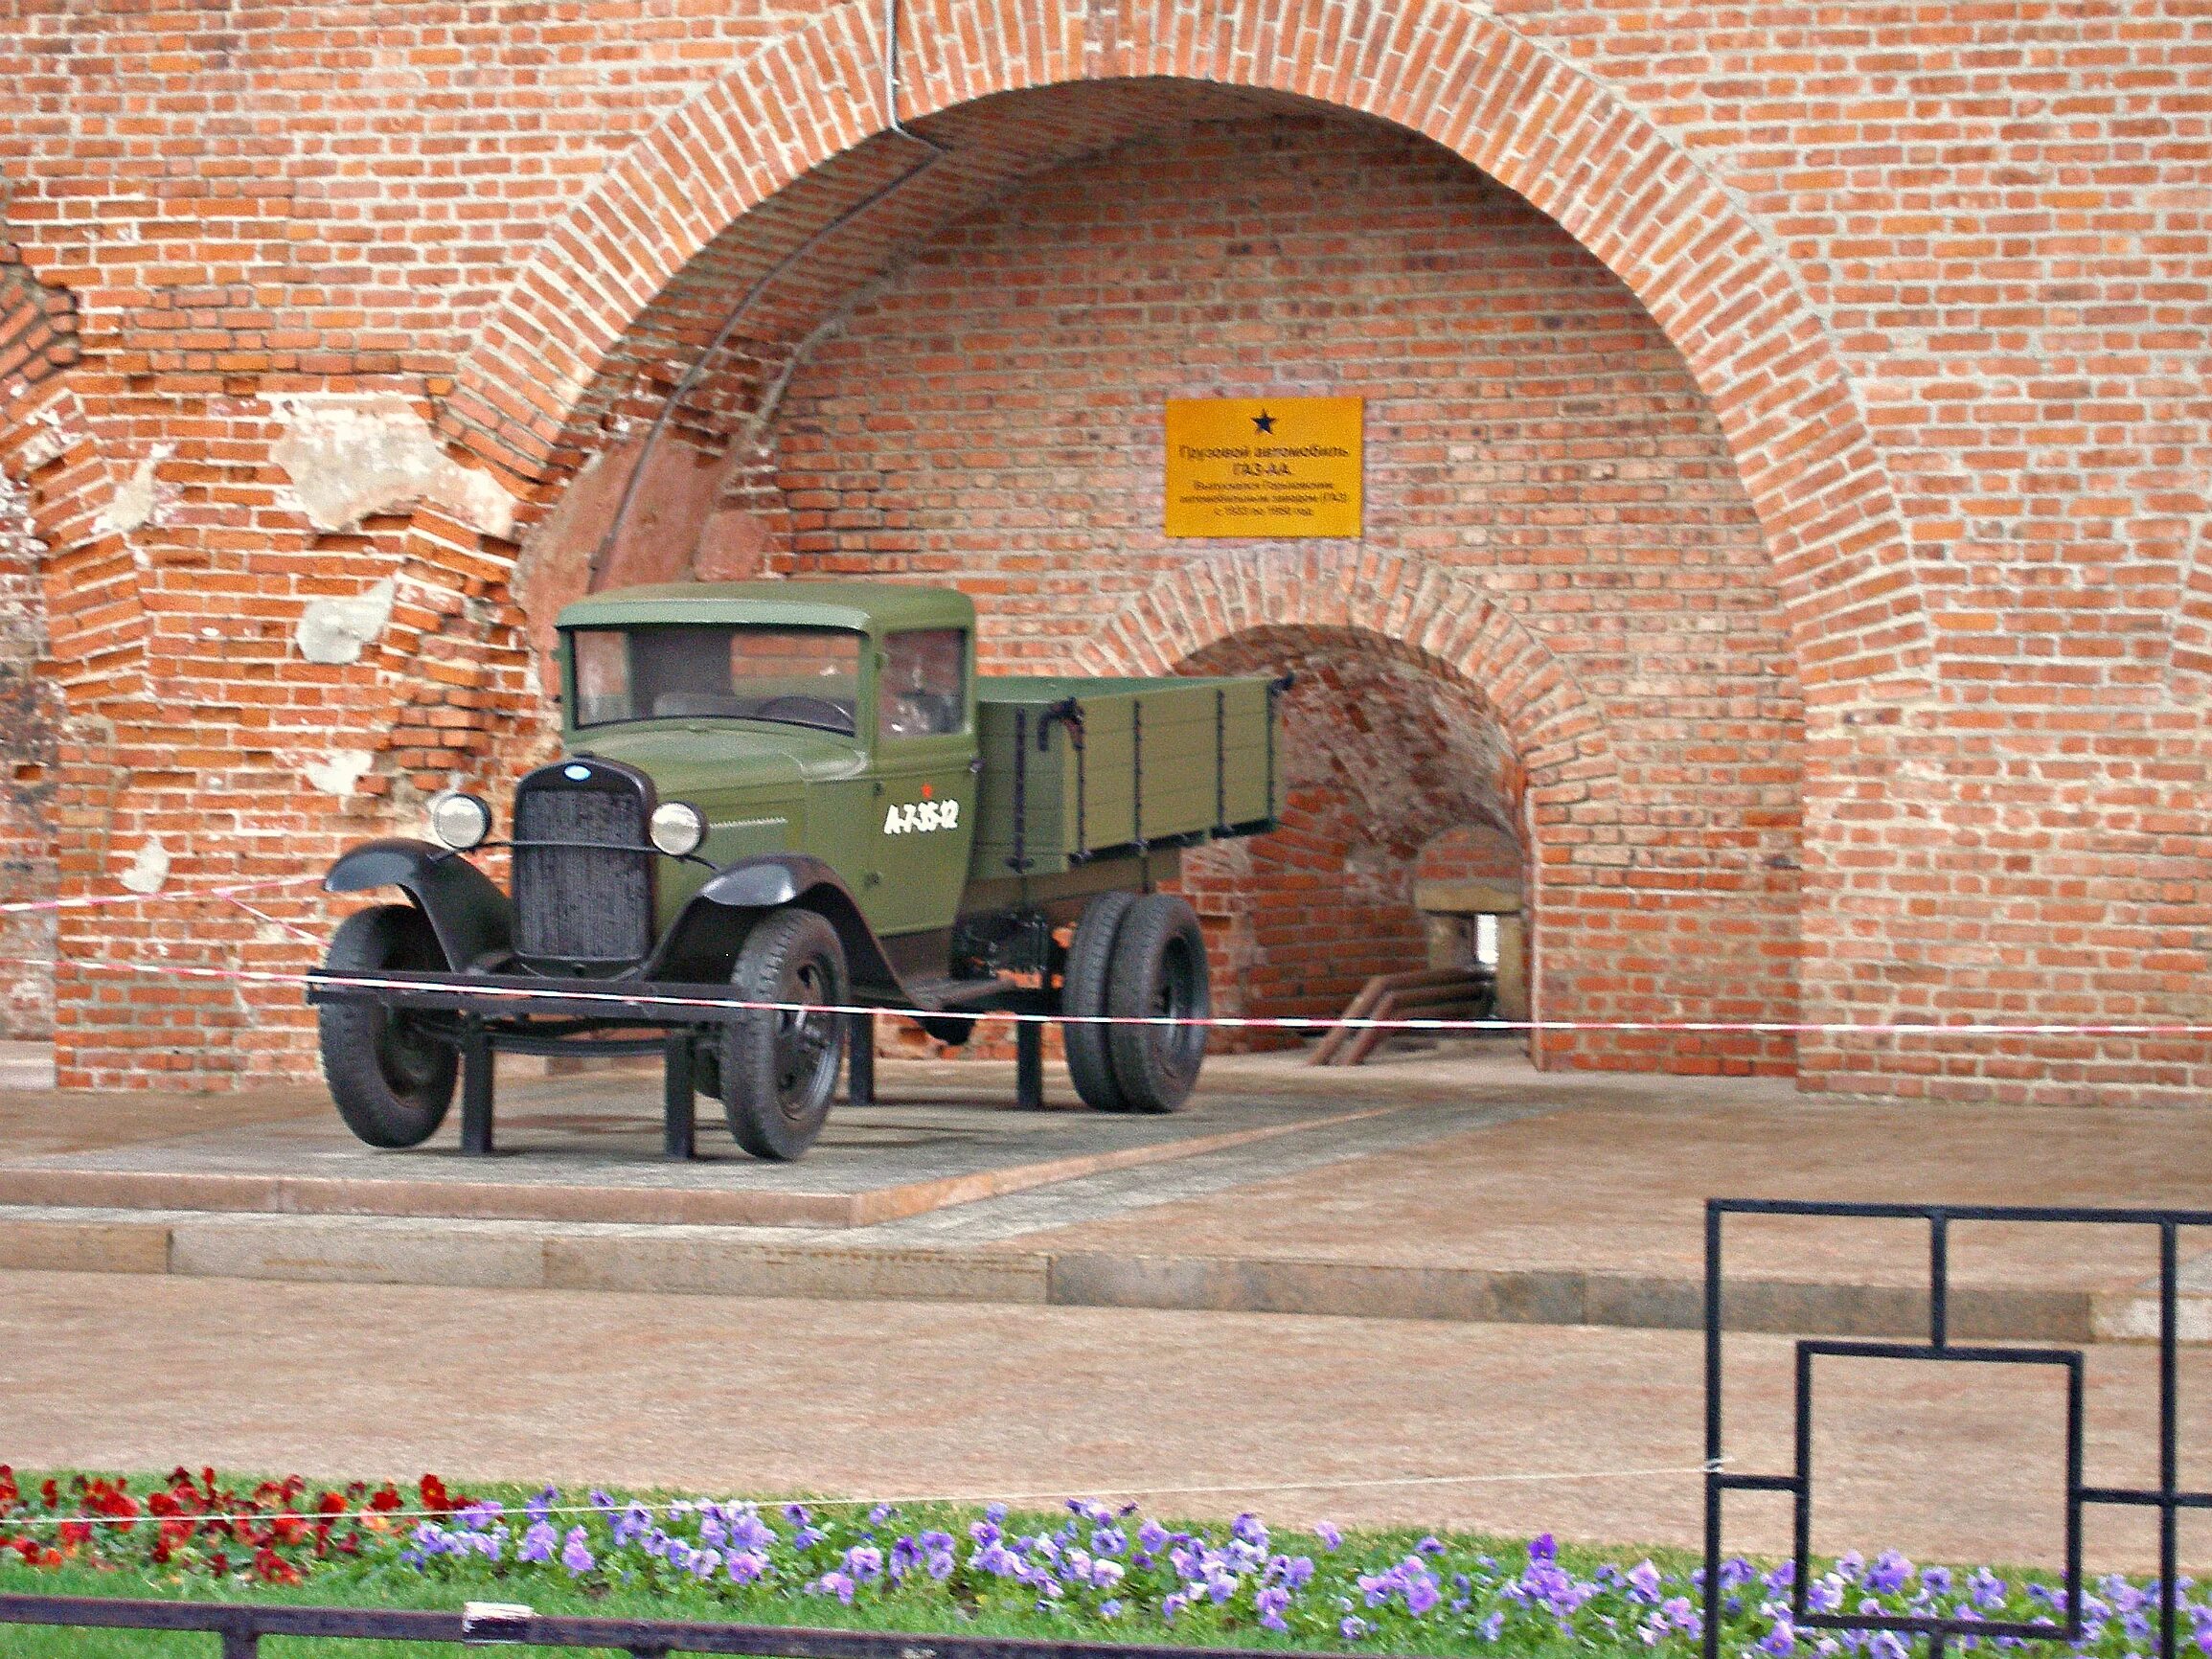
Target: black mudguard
(474,922)
(702,945)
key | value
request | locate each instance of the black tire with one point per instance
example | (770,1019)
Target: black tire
(1159,967)
(391,1081)
(779,1069)
(1083,993)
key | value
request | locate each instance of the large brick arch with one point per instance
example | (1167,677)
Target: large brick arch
(95,617)
(94,611)
(1615,182)
(1556,731)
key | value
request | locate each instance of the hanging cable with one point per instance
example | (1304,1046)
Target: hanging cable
(936,152)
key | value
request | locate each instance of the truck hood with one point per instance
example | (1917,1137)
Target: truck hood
(691,760)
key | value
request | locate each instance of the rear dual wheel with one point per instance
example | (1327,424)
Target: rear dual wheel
(1140,960)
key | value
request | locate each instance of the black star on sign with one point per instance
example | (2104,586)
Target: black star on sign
(1264,421)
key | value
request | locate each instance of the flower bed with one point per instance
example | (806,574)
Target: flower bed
(1091,1569)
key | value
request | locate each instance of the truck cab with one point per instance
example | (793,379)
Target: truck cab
(837,718)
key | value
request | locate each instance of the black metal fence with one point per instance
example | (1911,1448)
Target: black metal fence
(242,1627)
(2167,1497)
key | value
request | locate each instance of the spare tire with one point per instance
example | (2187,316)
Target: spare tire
(1159,969)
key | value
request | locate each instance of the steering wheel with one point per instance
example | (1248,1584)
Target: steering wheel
(922,715)
(805,711)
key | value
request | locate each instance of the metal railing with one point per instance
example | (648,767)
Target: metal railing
(241,1626)
(2167,1497)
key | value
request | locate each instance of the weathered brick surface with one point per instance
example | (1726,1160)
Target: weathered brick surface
(1891,328)
(30,734)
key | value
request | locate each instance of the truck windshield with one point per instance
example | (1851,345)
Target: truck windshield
(797,676)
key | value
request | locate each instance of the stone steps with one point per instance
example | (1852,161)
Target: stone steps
(747,1261)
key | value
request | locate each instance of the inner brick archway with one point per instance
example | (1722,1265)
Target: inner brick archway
(1385,752)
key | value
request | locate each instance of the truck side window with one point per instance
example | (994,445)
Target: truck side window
(923,672)
(601,676)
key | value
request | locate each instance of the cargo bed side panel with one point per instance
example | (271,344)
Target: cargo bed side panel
(1159,761)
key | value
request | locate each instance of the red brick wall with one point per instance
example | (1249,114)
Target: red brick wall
(1938,285)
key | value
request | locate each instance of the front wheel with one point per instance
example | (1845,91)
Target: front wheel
(391,1081)
(779,1066)
(1159,973)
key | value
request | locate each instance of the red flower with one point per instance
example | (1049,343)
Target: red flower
(9,1491)
(387,1499)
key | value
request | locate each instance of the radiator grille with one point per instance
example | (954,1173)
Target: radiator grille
(582,902)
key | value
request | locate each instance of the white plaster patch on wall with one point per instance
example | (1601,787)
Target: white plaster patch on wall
(350,455)
(140,499)
(337,772)
(148,871)
(338,630)
(47,441)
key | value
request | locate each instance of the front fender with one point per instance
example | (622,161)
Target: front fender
(702,945)
(471,917)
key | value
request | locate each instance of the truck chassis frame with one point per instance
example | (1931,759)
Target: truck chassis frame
(586,1019)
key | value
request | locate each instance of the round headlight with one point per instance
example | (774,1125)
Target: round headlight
(677,829)
(460,821)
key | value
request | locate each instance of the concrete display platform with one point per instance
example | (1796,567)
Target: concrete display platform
(587,1147)
(1450,1184)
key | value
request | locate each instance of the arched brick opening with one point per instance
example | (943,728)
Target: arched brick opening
(72,640)
(1387,752)
(1640,913)
(1551,502)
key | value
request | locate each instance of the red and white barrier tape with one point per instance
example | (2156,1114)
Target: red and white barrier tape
(1301,1023)
(228,893)
(17,905)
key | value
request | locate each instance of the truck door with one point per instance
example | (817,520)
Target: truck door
(923,799)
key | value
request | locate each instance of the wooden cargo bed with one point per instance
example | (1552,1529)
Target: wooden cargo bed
(1080,770)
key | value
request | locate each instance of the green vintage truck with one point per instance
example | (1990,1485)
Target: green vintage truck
(800,793)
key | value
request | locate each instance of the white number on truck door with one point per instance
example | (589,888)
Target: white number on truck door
(920,817)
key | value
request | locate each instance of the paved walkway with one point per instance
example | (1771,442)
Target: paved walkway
(887,1398)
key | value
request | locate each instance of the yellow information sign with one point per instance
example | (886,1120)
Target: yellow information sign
(1268,466)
